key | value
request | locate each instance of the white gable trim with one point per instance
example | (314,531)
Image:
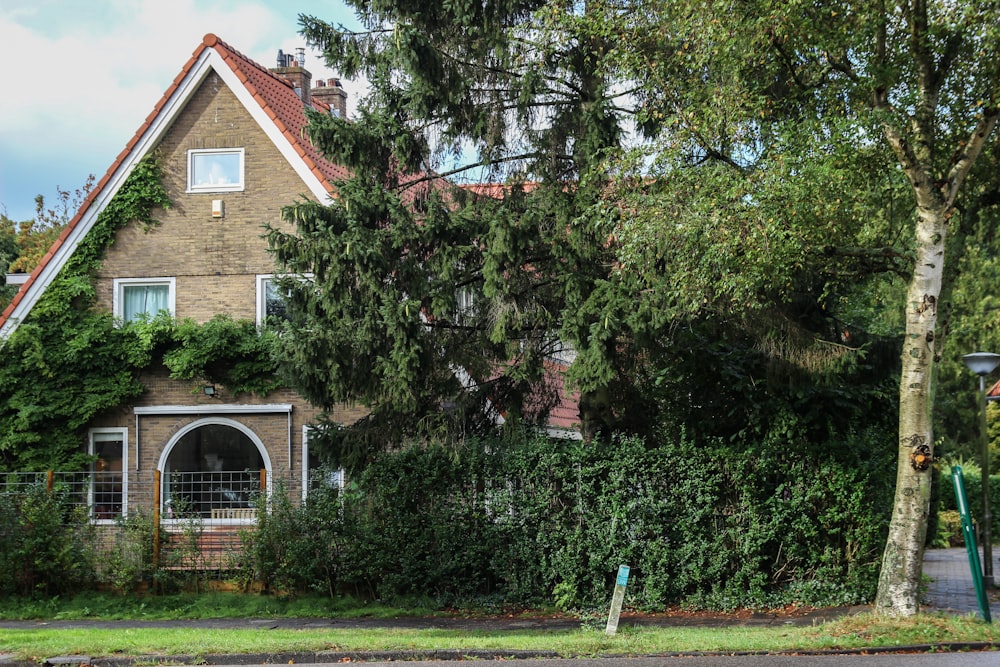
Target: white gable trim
(208,61)
(315,185)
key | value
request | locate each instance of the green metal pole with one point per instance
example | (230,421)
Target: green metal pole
(969,534)
(986,530)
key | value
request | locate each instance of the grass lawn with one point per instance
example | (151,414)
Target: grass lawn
(588,639)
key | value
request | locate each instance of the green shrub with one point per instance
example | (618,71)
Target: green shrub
(129,563)
(972,481)
(46,544)
(541,521)
(298,547)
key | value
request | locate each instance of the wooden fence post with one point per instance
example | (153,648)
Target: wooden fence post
(156,519)
(50,480)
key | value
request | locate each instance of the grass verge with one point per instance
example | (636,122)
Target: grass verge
(862,631)
(106,606)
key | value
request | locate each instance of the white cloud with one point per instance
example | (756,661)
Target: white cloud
(79,78)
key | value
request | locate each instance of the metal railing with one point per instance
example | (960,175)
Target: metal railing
(102,493)
(223,495)
(215,497)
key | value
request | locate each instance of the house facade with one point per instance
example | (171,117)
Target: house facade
(229,136)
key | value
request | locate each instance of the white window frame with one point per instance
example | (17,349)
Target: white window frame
(194,153)
(118,300)
(262,280)
(121,432)
(341,473)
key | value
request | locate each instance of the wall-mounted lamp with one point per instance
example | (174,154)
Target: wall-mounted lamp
(209,390)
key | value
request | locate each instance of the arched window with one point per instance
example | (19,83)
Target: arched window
(212,469)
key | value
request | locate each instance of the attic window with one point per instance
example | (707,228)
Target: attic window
(215,170)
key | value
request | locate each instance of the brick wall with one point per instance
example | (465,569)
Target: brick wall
(214,260)
(215,263)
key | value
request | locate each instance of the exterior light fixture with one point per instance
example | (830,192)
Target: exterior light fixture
(209,390)
(982,364)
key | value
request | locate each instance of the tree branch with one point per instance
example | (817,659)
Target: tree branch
(967,155)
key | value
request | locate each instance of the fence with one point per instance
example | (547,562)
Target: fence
(196,516)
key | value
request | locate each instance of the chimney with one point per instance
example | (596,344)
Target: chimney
(331,92)
(293,68)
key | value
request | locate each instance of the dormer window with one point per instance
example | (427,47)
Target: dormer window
(215,170)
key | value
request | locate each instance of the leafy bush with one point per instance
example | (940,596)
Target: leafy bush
(298,547)
(540,521)
(129,563)
(972,481)
(45,544)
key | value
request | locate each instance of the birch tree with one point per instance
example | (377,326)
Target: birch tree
(753,85)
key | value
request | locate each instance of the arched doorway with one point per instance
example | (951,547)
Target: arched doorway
(212,469)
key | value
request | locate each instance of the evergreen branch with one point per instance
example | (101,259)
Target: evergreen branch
(434,175)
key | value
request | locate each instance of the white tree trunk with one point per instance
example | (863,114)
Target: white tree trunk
(902,560)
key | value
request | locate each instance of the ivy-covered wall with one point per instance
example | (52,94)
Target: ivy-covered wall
(68,362)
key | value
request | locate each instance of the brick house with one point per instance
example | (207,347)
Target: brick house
(229,135)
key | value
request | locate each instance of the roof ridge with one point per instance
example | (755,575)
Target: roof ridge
(213,41)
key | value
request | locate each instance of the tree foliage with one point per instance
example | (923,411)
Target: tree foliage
(609,214)
(422,295)
(911,84)
(788,170)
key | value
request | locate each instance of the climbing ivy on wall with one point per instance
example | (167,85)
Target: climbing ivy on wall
(234,353)
(68,362)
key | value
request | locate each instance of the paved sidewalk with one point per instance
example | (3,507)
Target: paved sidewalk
(950,588)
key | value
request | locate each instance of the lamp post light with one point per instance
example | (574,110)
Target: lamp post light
(982,364)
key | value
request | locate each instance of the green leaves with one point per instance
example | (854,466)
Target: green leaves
(233,353)
(68,362)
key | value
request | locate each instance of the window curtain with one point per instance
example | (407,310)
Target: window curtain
(149,299)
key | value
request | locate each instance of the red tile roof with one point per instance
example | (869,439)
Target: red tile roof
(994,391)
(278,100)
(281,103)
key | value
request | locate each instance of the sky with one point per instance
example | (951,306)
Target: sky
(78,77)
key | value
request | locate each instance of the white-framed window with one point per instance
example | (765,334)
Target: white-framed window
(314,473)
(107,494)
(465,305)
(135,297)
(270,301)
(215,170)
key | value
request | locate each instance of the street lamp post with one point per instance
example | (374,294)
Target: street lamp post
(982,364)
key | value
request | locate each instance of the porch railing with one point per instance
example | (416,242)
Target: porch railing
(215,497)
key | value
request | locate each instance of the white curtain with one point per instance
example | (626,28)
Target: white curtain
(149,299)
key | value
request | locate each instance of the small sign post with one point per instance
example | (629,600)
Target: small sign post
(617,599)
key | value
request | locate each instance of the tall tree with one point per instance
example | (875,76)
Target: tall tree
(435,287)
(760,161)
(912,81)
